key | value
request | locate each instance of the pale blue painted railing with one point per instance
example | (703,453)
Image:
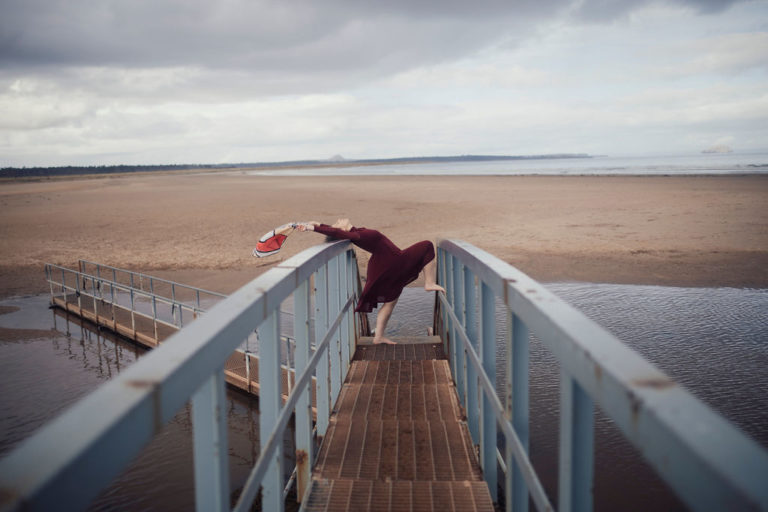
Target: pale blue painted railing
(709,463)
(71,459)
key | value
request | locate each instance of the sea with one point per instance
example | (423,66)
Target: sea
(665,165)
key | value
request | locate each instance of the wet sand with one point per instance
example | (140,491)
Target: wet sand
(200,228)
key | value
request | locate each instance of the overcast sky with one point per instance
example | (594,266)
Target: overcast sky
(101,82)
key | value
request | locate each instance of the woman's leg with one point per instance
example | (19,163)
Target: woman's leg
(385,311)
(430,277)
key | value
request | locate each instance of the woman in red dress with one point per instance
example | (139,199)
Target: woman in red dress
(390,269)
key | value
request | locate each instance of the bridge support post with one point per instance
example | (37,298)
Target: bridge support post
(211,453)
(269,408)
(303,413)
(517,407)
(459,363)
(487,418)
(321,327)
(470,321)
(576,447)
(334,349)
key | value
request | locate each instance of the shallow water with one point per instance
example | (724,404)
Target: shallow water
(691,164)
(712,340)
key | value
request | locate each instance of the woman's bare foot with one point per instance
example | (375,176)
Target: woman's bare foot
(434,288)
(381,339)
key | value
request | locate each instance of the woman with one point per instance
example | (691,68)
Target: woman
(389,269)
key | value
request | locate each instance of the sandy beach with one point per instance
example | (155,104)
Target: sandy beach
(199,228)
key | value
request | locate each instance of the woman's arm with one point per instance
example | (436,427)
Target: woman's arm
(325,229)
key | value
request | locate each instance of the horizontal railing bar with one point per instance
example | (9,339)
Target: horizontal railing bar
(707,460)
(500,461)
(156,279)
(114,422)
(531,478)
(121,287)
(253,482)
(185,307)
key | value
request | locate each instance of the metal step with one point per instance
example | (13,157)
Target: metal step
(358,495)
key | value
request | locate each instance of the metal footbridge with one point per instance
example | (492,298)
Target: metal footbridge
(418,426)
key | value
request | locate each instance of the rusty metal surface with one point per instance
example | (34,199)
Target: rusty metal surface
(397,439)
(411,352)
(359,495)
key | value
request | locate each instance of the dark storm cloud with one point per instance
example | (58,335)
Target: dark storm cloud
(273,36)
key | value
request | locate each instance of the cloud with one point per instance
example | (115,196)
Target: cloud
(725,53)
(237,33)
(108,81)
(273,35)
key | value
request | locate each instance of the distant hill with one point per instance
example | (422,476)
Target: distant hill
(42,172)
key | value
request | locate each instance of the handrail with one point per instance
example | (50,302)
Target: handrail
(99,283)
(106,429)
(83,264)
(707,461)
(520,454)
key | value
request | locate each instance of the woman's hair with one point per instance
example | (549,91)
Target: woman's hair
(329,238)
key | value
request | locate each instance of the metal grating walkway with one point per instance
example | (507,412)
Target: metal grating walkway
(397,440)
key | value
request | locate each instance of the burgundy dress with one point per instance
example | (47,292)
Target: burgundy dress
(389,269)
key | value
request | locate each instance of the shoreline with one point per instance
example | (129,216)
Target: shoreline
(199,228)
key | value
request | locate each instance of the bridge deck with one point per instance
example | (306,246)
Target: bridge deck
(397,440)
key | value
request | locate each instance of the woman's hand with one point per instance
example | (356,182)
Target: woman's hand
(309,226)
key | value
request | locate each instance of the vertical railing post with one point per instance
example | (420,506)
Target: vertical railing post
(344,327)
(351,284)
(442,266)
(458,308)
(174,306)
(270,399)
(517,407)
(95,302)
(321,327)
(211,453)
(154,308)
(334,350)
(470,323)
(487,417)
(576,447)
(303,410)
(451,288)
(112,288)
(247,357)
(98,275)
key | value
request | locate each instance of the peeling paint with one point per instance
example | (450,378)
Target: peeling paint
(654,383)
(156,403)
(141,384)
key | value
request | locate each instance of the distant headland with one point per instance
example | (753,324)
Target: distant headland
(334,161)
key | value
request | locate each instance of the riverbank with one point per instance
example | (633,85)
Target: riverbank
(200,228)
